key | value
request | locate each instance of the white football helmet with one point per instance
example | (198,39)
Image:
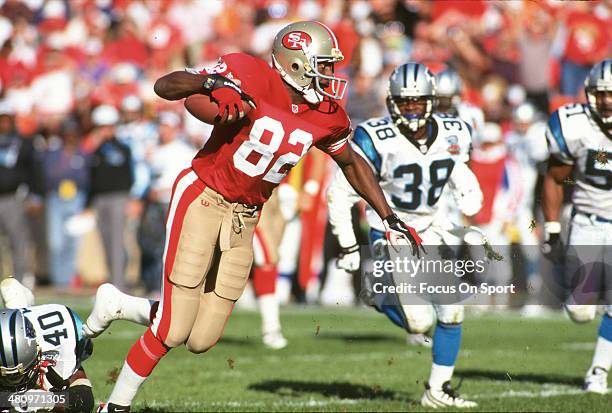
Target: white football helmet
(411,83)
(448,91)
(598,90)
(297,51)
(20,351)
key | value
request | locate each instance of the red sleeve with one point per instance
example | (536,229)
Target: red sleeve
(337,141)
(253,73)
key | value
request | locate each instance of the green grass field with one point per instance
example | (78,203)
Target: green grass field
(355,360)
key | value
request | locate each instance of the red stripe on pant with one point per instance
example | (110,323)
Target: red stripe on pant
(180,176)
(189,195)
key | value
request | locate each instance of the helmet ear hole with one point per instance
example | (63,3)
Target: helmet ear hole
(295,67)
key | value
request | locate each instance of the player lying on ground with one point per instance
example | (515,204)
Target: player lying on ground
(266,118)
(414,153)
(580,143)
(42,348)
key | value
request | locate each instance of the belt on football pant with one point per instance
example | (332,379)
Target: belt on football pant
(233,219)
(592,217)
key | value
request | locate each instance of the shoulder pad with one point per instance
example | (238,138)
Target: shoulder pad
(363,141)
(565,127)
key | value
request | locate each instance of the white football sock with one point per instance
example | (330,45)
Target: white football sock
(270,318)
(126,387)
(603,354)
(439,375)
(136,309)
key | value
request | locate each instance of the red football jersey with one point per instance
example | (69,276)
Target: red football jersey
(245,161)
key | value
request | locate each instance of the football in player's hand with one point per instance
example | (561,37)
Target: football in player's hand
(205,110)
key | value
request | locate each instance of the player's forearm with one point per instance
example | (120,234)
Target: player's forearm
(359,174)
(179,85)
(552,198)
(340,200)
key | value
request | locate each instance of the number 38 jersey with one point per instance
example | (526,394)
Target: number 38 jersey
(244,162)
(59,335)
(413,176)
(575,138)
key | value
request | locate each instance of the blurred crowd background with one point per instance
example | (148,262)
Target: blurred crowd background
(88,153)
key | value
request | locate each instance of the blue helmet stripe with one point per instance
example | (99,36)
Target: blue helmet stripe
(363,140)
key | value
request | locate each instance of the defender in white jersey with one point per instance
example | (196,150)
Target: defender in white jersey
(42,348)
(580,143)
(448,95)
(448,102)
(415,154)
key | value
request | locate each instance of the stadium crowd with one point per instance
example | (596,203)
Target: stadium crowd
(82,133)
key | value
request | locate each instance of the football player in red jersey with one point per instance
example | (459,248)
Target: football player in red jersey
(215,204)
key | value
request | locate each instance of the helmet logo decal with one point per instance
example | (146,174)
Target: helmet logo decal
(296,40)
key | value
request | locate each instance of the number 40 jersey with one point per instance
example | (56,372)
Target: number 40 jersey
(59,335)
(414,175)
(575,138)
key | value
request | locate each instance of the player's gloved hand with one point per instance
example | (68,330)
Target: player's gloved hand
(228,96)
(552,247)
(349,258)
(398,233)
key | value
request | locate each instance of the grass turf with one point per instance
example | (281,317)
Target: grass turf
(355,360)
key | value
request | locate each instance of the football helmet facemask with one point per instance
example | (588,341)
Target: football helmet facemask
(297,52)
(598,90)
(21,353)
(448,91)
(411,95)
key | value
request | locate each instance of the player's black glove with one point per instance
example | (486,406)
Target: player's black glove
(398,233)
(228,96)
(553,248)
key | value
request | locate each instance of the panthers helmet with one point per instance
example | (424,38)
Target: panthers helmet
(598,90)
(297,51)
(411,83)
(20,351)
(448,91)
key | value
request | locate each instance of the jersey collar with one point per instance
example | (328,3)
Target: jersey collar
(431,132)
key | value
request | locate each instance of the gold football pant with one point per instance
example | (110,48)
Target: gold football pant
(207,259)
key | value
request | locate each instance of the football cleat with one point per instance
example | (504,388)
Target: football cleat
(15,294)
(444,397)
(421,340)
(274,340)
(112,408)
(596,381)
(106,309)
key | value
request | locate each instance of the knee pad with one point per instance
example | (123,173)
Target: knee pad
(579,313)
(210,323)
(420,318)
(450,314)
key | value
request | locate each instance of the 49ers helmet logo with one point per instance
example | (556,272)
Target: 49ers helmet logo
(295,40)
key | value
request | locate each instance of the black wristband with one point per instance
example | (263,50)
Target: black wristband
(348,250)
(216,81)
(392,219)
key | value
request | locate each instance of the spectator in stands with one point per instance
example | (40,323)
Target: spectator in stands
(582,40)
(65,183)
(112,176)
(166,161)
(17,168)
